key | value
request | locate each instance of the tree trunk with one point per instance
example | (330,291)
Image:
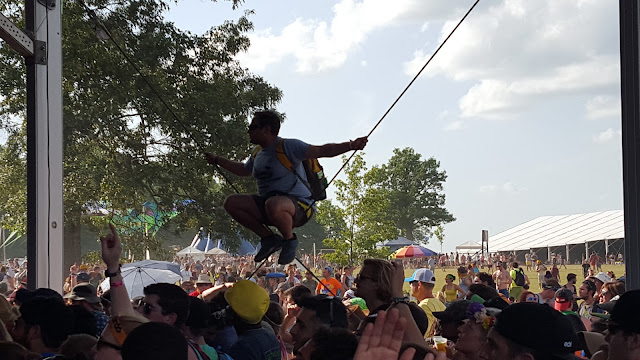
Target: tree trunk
(72,240)
(409,234)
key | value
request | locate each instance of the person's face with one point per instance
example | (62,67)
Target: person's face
(308,276)
(476,280)
(304,328)
(583,292)
(605,296)
(103,349)
(365,285)
(19,332)
(273,281)
(471,337)
(620,344)
(414,286)
(450,330)
(151,310)
(533,298)
(448,280)
(496,347)
(203,287)
(326,274)
(256,133)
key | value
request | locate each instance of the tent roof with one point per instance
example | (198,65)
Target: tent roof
(400,241)
(561,230)
(471,245)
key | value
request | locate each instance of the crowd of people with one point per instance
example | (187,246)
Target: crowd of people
(227,308)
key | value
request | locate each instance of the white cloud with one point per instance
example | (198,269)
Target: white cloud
(518,52)
(454,126)
(607,136)
(603,106)
(319,45)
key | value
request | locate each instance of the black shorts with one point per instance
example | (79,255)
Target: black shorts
(302,215)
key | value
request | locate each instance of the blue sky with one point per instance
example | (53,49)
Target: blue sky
(521,106)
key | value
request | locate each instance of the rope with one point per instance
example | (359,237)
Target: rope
(406,88)
(99,23)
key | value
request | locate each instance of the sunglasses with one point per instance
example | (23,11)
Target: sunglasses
(147,308)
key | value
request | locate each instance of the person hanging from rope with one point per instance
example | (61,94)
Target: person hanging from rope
(284,198)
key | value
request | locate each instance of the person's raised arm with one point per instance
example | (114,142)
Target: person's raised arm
(111,250)
(412,333)
(331,150)
(236,167)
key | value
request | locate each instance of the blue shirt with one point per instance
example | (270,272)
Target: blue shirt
(273,178)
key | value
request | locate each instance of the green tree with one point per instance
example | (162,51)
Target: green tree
(357,223)
(122,147)
(413,188)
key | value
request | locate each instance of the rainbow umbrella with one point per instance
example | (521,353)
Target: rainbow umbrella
(410,251)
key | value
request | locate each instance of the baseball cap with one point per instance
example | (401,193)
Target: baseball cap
(564,299)
(248,300)
(625,314)
(84,292)
(455,312)
(555,337)
(602,277)
(422,275)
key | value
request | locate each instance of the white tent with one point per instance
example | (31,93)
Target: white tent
(216,251)
(192,252)
(469,246)
(553,231)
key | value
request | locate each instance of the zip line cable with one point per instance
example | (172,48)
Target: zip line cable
(407,88)
(102,27)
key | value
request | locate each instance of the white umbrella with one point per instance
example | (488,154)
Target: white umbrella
(216,251)
(135,279)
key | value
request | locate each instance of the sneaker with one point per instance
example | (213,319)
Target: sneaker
(268,245)
(288,252)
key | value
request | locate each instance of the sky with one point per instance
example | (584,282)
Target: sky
(521,106)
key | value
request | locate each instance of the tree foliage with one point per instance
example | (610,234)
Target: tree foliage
(413,188)
(356,224)
(122,146)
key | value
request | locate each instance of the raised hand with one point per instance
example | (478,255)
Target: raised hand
(359,143)
(111,249)
(211,159)
(382,340)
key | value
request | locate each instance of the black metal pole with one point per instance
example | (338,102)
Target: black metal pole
(32,188)
(630,95)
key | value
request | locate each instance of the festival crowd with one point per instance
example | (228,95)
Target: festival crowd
(230,308)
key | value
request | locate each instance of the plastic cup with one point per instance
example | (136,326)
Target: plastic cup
(440,343)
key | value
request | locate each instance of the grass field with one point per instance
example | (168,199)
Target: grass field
(618,270)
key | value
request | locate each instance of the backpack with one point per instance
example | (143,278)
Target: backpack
(316,181)
(519,280)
